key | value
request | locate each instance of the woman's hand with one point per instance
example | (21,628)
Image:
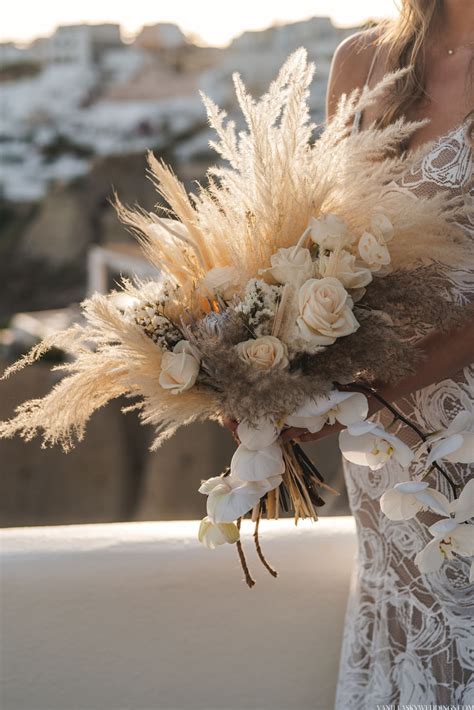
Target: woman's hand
(290,434)
(295,434)
(445,355)
(231,425)
(303,435)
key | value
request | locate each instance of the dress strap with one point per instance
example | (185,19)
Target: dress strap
(372,66)
(358,114)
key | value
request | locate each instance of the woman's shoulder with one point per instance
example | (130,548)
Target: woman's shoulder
(351,65)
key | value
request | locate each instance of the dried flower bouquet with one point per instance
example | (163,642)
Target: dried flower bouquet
(302,264)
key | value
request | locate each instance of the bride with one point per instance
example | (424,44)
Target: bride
(409,637)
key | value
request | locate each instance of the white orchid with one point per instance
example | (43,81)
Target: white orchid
(344,407)
(229,498)
(463,507)
(368,444)
(259,436)
(450,537)
(212,535)
(251,465)
(456,443)
(406,499)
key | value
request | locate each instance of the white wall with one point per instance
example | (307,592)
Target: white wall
(140,616)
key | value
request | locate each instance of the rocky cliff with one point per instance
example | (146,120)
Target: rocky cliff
(43,247)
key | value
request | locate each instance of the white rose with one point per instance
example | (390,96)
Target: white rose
(325,311)
(222,280)
(373,252)
(264,353)
(329,232)
(382,227)
(343,266)
(290,264)
(180,368)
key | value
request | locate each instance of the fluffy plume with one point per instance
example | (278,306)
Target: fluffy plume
(113,357)
(276,179)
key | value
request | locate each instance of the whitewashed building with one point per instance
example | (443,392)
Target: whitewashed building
(258,56)
(38,50)
(10,53)
(82,44)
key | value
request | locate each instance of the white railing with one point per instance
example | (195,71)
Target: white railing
(139,616)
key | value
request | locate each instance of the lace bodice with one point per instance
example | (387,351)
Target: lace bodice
(409,638)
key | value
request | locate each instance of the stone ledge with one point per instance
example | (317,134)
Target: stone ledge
(139,615)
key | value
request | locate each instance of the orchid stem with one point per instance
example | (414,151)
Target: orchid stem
(248,577)
(366,389)
(260,554)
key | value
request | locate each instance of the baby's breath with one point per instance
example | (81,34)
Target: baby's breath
(259,305)
(157,326)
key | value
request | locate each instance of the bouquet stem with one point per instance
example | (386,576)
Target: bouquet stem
(301,479)
(243,562)
(260,554)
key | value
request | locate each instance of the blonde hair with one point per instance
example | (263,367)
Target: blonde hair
(406,39)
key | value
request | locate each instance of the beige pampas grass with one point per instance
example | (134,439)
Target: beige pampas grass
(113,357)
(275,179)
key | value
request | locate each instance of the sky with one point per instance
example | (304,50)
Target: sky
(214,21)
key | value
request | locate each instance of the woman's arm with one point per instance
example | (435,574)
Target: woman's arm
(350,67)
(444,355)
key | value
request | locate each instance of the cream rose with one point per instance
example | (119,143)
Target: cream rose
(291,264)
(325,311)
(180,368)
(329,232)
(264,353)
(222,280)
(373,252)
(343,266)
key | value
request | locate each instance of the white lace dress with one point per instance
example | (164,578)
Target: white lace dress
(409,637)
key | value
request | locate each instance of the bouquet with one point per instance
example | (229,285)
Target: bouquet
(289,285)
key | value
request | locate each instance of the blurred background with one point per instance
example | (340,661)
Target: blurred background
(85,89)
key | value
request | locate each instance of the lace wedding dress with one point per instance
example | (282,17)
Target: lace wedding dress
(409,638)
